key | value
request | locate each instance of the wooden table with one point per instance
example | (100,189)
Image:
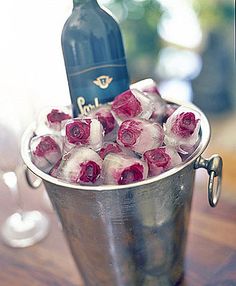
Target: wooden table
(211,246)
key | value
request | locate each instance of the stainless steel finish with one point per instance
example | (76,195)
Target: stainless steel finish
(33,184)
(214,167)
(127,235)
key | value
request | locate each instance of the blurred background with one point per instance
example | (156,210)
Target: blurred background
(187,46)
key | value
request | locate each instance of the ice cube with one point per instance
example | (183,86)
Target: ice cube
(121,169)
(45,151)
(169,110)
(52,119)
(132,103)
(82,132)
(182,130)
(104,115)
(81,165)
(109,147)
(140,135)
(161,159)
(147,85)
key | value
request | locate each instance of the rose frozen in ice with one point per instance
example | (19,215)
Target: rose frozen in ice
(140,135)
(109,147)
(81,165)
(182,130)
(147,85)
(83,132)
(132,103)
(104,115)
(161,159)
(45,151)
(149,89)
(121,169)
(55,118)
(52,119)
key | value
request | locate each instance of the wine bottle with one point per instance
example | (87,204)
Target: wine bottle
(94,56)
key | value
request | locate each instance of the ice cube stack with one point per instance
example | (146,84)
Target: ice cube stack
(138,135)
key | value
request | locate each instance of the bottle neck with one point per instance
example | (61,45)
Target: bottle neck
(77,3)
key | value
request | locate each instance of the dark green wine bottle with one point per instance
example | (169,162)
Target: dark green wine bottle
(94,56)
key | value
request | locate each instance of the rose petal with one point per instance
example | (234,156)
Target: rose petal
(120,169)
(140,135)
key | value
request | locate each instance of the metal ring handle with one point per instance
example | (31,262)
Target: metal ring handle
(33,184)
(214,166)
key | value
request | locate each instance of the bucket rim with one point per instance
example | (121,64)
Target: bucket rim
(205,138)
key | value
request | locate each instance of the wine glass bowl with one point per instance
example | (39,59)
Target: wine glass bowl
(22,228)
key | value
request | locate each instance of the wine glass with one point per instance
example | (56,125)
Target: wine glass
(22,228)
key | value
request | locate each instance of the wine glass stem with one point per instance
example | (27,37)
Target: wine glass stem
(12,182)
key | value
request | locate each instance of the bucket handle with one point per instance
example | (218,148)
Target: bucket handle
(33,184)
(214,166)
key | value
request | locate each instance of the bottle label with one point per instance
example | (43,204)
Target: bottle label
(94,85)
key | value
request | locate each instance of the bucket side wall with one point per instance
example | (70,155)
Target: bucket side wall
(131,236)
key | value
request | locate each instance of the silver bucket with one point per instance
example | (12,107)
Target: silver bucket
(135,234)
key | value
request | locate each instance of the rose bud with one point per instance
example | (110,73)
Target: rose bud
(147,85)
(140,135)
(51,120)
(81,165)
(132,103)
(45,151)
(161,159)
(104,115)
(121,169)
(109,147)
(83,132)
(181,130)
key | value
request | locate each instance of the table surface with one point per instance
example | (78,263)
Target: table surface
(211,246)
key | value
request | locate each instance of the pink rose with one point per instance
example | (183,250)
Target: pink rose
(140,135)
(46,145)
(107,120)
(126,105)
(109,148)
(121,169)
(78,131)
(129,132)
(131,174)
(90,171)
(80,165)
(185,124)
(57,116)
(45,151)
(161,159)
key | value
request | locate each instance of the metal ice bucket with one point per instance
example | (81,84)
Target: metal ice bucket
(134,234)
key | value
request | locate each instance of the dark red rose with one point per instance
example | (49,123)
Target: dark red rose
(184,124)
(126,105)
(45,146)
(78,131)
(55,116)
(129,132)
(133,173)
(157,158)
(90,171)
(109,148)
(107,120)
